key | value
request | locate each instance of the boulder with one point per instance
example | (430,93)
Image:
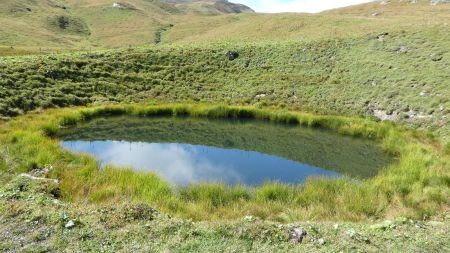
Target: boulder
(232,55)
(296,235)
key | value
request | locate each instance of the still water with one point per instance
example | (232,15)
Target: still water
(189,150)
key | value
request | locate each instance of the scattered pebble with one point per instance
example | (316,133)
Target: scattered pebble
(403,50)
(70,224)
(321,241)
(249,218)
(351,232)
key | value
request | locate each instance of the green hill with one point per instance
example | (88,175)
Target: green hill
(49,25)
(41,26)
(344,61)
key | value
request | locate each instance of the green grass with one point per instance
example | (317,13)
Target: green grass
(416,186)
(353,77)
(29,211)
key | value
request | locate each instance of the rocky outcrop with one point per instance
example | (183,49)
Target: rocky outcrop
(227,7)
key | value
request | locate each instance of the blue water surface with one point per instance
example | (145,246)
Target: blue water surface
(184,164)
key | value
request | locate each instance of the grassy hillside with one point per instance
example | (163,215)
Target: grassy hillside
(98,24)
(51,25)
(403,77)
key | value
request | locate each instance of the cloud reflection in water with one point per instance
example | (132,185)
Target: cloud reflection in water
(183,164)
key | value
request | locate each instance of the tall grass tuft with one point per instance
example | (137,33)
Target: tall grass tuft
(416,185)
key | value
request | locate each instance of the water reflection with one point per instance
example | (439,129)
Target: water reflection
(189,150)
(185,163)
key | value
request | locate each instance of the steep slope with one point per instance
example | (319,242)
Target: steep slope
(210,6)
(46,25)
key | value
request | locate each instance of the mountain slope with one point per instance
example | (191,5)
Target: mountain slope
(35,25)
(85,24)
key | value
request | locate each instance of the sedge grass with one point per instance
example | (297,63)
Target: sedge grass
(415,186)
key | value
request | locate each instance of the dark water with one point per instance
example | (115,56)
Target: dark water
(187,150)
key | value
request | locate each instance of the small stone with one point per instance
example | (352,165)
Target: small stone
(249,218)
(70,224)
(351,233)
(387,224)
(403,50)
(375,14)
(436,57)
(321,241)
(382,36)
(296,235)
(232,55)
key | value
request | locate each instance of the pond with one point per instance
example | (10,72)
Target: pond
(249,152)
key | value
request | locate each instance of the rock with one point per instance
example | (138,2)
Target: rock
(402,50)
(387,224)
(357,236)
(435,2)
(232,55)
(436,57)
(55,181)
(351,233)
(381,36)
(38,172)
(296,235)
(375,14)
(249,218)
(383,115)
(116,5)
(70,224)
(321,241)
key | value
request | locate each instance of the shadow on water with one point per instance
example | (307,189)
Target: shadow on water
(189,150)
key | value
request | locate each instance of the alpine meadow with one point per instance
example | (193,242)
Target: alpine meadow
(206,126)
